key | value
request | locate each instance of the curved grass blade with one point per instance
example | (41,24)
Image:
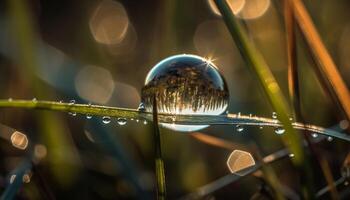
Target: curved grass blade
(97,110)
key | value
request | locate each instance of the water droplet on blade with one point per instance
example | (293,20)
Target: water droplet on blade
(145,122)
(274,115)
(71,102)
(279,130)
(34,100)
(88,116)
(314,135)
(106,119)
(185,84)
(329,139)
(239,128)
(121,121)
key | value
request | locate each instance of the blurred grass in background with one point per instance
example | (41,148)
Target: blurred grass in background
(101,51)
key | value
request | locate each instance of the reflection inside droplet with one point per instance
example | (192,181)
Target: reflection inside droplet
(185,84)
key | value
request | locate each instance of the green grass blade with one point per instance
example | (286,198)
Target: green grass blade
(87,109)
(271,88)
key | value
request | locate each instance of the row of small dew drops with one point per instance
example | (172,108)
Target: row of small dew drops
(123,121)
(278,130)
(107,119)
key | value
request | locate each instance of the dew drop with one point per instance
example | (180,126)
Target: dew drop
(290,118)
(291,155)
(239,128)
(141,107)
(261,127)
(72,113)
(314,135)
(137,120)
(185,84)
(34,100)
(71,102)
(10,99)
(274,115)
(329,139)
(88,116)
(121,121)
(106,119)
(279,130)
(145,122)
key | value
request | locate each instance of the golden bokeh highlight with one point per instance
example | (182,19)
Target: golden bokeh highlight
(40,151)
(239,161)
(19,140)
(94,84)
(245,9)
(109,22)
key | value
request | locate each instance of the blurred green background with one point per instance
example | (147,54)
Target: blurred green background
(101,51)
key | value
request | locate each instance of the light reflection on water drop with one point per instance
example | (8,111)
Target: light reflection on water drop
(106,119)
(121,121)
(141,107)
(185,84)
(329,139)
(279,130)
(239,128)
(274,115)
(314,135)
(88,116)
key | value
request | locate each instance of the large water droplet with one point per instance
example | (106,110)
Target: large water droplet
(279,130)
(106,119)
(121,121)
(185,84)
(239,128)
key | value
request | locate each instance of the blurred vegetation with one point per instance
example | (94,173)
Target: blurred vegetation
(100,51)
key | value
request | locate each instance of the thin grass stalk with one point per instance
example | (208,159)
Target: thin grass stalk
(271,88)
(326,66)
(159,164)
(294,91)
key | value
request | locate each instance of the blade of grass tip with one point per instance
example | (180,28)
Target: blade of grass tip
(160,172)
(294,91)
(260,68)
(16,182)
(326,65)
